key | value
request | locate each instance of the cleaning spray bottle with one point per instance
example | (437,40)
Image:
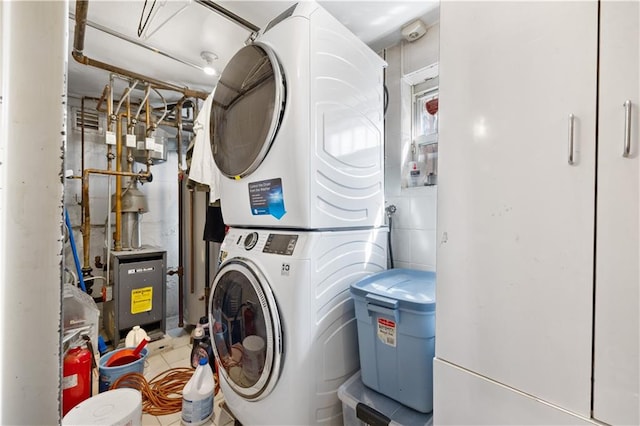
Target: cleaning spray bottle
(197,396)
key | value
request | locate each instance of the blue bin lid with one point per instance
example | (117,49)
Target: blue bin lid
(413,289)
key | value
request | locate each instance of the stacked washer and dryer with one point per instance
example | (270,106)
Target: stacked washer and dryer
(297,129)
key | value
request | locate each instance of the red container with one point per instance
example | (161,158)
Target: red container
(76,378)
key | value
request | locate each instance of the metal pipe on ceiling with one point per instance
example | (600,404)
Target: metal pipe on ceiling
(132,40)
(229,15)
(82,8)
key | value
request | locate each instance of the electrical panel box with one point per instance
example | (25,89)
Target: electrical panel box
(139,282)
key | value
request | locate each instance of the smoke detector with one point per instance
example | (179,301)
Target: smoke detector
(414,30)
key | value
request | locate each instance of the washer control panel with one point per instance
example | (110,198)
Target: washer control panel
(280,244)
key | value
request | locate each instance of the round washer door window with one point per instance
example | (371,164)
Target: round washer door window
(245,114)
(245,329)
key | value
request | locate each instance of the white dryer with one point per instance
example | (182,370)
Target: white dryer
(297,127)
(283,320)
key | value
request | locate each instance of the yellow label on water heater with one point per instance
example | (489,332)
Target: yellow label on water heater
(141,300)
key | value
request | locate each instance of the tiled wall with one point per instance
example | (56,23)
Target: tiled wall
(413,233)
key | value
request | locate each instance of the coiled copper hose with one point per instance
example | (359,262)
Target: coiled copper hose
(161,395)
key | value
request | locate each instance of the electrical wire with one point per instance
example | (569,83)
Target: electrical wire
(141,26)
(161,395)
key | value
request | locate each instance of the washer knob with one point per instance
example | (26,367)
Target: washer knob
(250,240)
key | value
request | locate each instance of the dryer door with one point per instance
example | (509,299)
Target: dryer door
(246,330)
(247,107)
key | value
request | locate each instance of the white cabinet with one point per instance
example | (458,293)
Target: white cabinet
(617,278)
(469,399)
(521,229)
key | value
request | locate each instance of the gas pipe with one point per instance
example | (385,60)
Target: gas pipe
(76,377)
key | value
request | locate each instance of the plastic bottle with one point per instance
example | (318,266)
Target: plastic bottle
(135,336)
(197,396)
(199,347)
(204,323)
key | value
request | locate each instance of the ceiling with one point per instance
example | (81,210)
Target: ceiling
(177,31)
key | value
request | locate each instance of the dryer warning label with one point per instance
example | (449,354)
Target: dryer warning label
(266,198)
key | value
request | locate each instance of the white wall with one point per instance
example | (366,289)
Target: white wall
(34,96)
(413,234)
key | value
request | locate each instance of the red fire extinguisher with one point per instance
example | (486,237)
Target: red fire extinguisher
(76,377)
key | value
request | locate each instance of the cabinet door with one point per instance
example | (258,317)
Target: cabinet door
(468,399)
(616,354)
(515,220)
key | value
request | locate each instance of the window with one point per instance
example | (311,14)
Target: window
(424,164)
(425,116)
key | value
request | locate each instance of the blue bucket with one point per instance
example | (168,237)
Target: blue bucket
(108,375)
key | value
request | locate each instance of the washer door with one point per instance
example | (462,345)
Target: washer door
(247,107)
(246,330)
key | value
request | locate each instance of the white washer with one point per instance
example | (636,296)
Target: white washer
(297,127)
(283,320)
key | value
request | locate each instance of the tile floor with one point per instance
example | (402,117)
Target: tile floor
(172,355)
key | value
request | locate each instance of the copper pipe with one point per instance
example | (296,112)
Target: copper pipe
(156,83)
(129,150)
(82,8)
(86,213)
(117,246)
(86,267)
(147,113)
(138,175)
(86,220)
(102,98)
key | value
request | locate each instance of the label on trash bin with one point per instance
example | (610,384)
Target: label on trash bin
(141,300)
(387,331)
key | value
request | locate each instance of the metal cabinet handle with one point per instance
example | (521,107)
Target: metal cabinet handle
(626,150)
(571,137)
